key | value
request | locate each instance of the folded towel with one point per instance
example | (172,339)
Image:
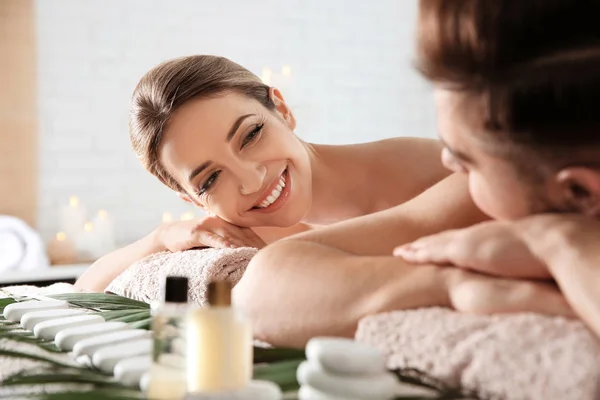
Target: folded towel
(21,248)
(517,356)
(142,281)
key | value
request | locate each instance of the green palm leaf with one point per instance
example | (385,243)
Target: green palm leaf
(4,302)
(277,365)
(60,375)
(33,357)
(282,373)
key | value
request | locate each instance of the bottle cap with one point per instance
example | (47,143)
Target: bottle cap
(176,289)
(219,293)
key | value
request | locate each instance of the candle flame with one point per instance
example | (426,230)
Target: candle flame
(167,217)
(102,214)
(73,201)
(187,216)
(286,70)
(88,227)
(61,236)
(266,75)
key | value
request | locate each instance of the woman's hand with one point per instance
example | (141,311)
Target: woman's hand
(490,247)
(206,232)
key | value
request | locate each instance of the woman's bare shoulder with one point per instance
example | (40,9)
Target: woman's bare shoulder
(393,146)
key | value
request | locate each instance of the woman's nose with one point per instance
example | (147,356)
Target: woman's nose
(252,178)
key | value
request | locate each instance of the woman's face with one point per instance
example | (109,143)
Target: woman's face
(239,160)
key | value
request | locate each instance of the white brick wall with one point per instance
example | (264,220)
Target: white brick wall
(351,61)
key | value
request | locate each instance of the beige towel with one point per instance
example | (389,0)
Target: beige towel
(519,356)
(142,281)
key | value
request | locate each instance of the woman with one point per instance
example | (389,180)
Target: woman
(214,133)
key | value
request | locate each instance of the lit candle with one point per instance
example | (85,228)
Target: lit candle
(89,246)
(72,218)
(167,217)
(105,235)
(61,250)
(186,216)
(266,76)
(285,82)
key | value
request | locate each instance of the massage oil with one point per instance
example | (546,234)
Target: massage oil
(167,373)
(219,344)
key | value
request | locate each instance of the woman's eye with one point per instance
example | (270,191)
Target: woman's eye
(209,182)
(250,137)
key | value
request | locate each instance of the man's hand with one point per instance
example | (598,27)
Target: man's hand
(491,247)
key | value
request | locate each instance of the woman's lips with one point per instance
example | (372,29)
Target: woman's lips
(279,201)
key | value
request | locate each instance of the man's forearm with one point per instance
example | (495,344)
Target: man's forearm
(579,280)
(573,261)
(294,290)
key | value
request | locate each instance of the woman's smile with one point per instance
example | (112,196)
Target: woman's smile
(275,195)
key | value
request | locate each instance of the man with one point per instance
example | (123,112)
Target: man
(517,113)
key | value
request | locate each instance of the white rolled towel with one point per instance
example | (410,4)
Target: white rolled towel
(21,248)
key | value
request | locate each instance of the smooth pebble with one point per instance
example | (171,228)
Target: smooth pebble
(66,339)
(87,347)
(106,358)
(372,387)
(309,393)
(345,356)
(31,319)
(47,330)
(130,371)
(13,312)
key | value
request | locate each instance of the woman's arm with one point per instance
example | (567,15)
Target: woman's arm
(295,290)
(101,273)
(570,247)
(446,205)
(175,236)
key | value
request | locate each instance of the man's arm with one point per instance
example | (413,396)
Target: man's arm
(323,281)
(446,205)
(570,247)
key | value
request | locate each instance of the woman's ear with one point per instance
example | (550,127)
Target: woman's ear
(282,108)
(580,189)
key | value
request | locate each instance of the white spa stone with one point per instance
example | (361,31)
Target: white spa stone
(255,390)
(145,382)
(66,339)
(345,356)
(130,371)
(87,347)
(31,319)
(106,358)
(47,330)
(13,312)
(310,393)
(373,387)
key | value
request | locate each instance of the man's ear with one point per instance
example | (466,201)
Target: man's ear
(579,187)
(282,108)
